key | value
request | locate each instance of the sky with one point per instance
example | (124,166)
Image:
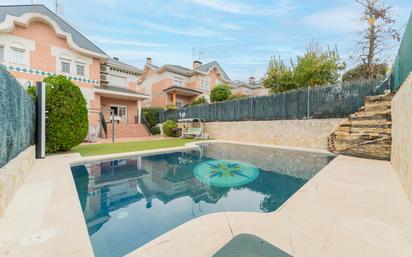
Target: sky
(241,35)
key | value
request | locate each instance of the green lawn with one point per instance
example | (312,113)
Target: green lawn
(98,149)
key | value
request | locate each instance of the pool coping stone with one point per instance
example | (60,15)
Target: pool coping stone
(339,212)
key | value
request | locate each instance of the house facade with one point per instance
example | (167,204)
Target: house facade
(36,43)
(119,78)
(179,86)
(249,88)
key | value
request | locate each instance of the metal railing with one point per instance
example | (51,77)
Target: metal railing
(145,123)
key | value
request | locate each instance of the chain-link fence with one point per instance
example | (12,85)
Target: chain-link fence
(403,63)
(336,101)
(17,118)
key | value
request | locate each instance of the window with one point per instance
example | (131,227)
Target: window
(65,66)
(204,84)
(80,69)
(178,82)
(1,53)
(179,103)
(17,56)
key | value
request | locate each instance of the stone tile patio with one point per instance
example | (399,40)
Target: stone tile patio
(353,207)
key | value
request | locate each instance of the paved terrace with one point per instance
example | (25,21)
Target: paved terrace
(353,207)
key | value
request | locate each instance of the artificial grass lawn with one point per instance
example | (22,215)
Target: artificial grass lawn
(98,149)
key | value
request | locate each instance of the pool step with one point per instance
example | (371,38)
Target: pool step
(366,133)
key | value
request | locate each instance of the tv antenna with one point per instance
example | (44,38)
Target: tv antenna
(197,54)
(251,72)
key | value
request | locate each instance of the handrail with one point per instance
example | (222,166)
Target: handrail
(145,123)
(103,123)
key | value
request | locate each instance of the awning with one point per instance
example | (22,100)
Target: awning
(184,91)
(119,93)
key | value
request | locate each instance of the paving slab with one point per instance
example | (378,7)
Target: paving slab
(353,207)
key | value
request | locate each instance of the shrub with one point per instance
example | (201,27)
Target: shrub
(200,100)
(168,128)
(317,67)
(220,93)
(360,72)
(155,130)
(67,118)
(170,107)
(151,114)
(236,96)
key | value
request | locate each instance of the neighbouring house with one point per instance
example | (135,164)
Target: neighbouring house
(177,85)
(119,77)
(249,88)
(36,43)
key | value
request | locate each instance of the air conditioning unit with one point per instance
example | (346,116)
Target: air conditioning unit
(104,69)
(103,78)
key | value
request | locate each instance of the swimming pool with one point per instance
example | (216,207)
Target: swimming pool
(129,202)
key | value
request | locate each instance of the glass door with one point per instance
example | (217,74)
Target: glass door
(120,113)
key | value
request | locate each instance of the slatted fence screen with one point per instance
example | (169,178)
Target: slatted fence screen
(17,118)
(403,62)
(336,101)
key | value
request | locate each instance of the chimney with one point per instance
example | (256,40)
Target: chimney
(116,58)
(252,80)
(196,64)
(149,60)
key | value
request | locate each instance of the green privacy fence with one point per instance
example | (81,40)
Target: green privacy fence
(336,101)
(403,63)
(17,118)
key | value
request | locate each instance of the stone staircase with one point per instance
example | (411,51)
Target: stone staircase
(368,132)
(123,130)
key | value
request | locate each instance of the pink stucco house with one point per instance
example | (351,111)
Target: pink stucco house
(36,43)
(179,86)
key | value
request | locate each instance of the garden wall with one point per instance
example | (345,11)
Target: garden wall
(303,133)
(17,129)
(13,174)
(402,134)
(336,101)
(17,118)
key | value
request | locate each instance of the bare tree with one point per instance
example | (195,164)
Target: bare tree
(380,22)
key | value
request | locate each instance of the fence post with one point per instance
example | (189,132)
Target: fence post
(251,108)
(41,120)
(112,115)
(308,106)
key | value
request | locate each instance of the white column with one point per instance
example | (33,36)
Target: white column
(139,111)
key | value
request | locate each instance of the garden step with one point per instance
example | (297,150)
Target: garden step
(123,130)
(378,103)
(384,128)
(366,133)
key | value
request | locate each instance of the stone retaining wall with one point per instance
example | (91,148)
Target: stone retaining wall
(402,135)
(13,174)
(303,133)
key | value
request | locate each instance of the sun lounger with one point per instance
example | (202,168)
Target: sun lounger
(246,245)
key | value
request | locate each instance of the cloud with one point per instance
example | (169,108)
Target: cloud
(111,41)
(197,32)
(341,19)
(231,26)
(108,3)
(160,57)
(273,8)
(224,6)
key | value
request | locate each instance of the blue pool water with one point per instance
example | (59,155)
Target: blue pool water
(129,202)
